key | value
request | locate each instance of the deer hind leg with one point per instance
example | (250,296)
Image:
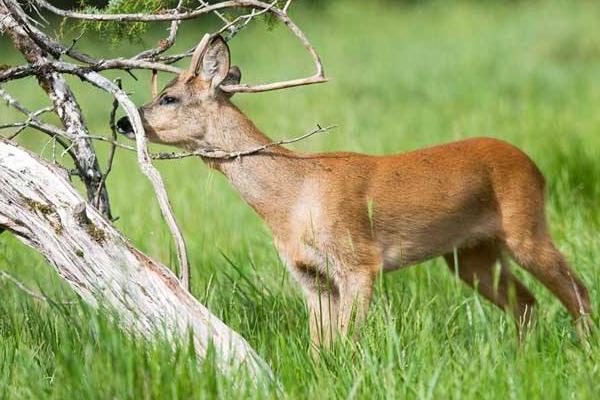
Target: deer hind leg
(476,267)
(538,255)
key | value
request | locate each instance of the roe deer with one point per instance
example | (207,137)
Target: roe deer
(339,219)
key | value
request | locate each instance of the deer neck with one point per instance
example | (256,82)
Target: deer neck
(267,180)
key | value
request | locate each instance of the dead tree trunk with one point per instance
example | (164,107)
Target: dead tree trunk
(38,204)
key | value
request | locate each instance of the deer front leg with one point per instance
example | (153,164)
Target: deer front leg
(323,311)
(322,299)
(355,289)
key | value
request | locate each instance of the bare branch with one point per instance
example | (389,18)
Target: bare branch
(31,116)
(216,153)
(173,15)
(40,126)
(165,15)
(126,63)
(221,154)
(170,59)
(245,88)
(41,67)
(11,101)
(19,72)
(144,160)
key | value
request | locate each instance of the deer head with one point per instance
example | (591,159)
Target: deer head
(182,113)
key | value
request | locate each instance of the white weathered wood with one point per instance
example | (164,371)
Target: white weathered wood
(38,204)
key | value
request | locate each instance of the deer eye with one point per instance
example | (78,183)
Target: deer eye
(167,100)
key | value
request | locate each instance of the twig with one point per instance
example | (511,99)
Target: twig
(56,49)
(6,276)
(33,122)
(17,132)
(164,44)
(225,155)
(31,116)
(39,14)
(232,26)
(73,43)
(174,15)
(170,59)
(144,158)
(40,126)
(206,153)
(19,72)
(217,13)
(113,147)
(259,149)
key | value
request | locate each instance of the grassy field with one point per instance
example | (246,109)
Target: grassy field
(404,77)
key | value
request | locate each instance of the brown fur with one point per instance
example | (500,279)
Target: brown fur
(338,219)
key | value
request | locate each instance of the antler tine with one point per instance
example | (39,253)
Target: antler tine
(199,53)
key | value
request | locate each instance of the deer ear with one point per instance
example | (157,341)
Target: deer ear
(215,64)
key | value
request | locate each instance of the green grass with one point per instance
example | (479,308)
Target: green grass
(404,77)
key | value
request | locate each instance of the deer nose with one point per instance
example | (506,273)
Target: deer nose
(124,126)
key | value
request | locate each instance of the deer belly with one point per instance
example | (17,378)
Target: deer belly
(415,244)
(398,256)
